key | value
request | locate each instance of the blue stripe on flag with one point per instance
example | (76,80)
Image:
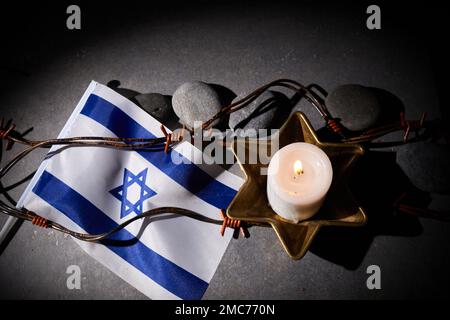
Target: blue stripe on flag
(188,175)
(77,208)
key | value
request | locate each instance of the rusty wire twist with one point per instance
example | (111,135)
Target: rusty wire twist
(40,221)
(233,224)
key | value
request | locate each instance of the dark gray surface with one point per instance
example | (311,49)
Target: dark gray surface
(239,51)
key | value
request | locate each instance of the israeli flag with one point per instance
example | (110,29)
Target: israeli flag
(93,189)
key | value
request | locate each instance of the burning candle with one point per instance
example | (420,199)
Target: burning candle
(298,180)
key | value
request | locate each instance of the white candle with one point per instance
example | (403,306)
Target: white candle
(298,180)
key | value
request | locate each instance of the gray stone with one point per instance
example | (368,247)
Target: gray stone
(263,113)
(156,104)
(426,165)
(195,101)
(357,106)
(127,93)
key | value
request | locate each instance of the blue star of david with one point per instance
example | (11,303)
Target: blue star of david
(121,192)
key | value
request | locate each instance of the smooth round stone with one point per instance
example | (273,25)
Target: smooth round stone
(261,113)
(357,106)
(156,104)
(195,101)
(426,165)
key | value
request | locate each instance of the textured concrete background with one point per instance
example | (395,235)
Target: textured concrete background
(46,69)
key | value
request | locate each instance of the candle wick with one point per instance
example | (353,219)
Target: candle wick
(297,174)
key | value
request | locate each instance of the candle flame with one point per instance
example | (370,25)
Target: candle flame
(298,167)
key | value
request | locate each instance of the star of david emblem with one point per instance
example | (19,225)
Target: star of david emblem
(127,191)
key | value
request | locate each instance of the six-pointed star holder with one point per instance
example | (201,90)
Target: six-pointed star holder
(251,204)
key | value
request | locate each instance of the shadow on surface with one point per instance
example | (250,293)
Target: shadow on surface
(377,182)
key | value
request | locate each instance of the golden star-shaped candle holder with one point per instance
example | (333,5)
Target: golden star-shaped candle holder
(251,205)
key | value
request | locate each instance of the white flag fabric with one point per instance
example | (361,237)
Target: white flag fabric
(93,189)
